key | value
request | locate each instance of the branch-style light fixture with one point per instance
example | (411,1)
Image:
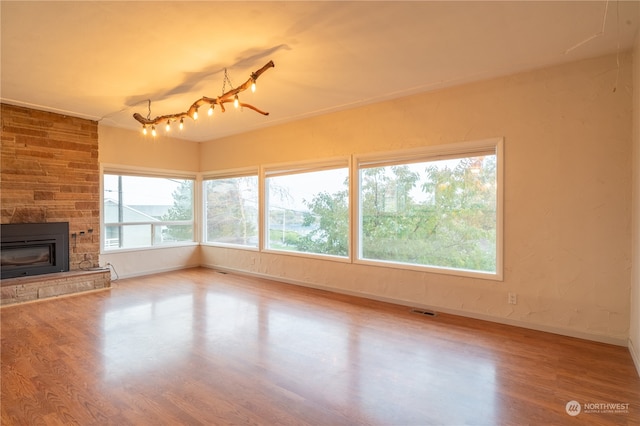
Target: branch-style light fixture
(192,112)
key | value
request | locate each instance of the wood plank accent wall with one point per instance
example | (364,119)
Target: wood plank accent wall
(50,173)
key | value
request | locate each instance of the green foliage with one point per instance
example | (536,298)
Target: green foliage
(329,220)
(283,240)
(451,224)
(453,227)
(182,209)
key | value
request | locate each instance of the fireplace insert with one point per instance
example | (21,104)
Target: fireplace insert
(33,249)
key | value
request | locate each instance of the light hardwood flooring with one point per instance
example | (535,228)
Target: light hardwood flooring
(202,347)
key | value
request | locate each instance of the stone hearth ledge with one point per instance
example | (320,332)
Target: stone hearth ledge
(38,287)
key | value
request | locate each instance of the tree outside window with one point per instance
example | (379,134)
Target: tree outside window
(308,212)
(231,210)
(438,213)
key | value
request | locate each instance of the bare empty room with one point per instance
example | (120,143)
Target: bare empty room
(394,213)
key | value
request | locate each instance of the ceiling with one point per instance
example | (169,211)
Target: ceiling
(105,60)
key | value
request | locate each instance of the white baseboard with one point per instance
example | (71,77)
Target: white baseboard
(151,272)
(474,315)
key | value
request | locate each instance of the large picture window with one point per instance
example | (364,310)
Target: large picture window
(432,209)
(436,209)
(307,209)
(231,210)
(143,211)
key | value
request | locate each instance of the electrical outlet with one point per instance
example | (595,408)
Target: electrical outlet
(513,298)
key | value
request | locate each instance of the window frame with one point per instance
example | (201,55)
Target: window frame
(353,163)
(292,168)
(119,170)
(424,154)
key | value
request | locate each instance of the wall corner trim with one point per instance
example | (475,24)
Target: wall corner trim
(634,356)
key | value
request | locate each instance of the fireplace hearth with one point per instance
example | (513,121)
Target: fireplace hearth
(33,249)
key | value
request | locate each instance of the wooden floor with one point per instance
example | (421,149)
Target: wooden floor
(202,347)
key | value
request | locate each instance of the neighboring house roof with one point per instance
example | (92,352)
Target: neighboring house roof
(129,214)
(157,211)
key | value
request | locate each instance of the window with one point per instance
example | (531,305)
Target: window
(231,210)
(143,211)
(438,209)
(431,209)
(307,209)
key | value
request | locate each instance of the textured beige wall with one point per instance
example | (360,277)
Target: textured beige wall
(634,332)
(144,262)
(131,148)
(567,195)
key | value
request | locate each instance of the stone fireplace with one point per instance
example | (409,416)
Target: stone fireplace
(50,174)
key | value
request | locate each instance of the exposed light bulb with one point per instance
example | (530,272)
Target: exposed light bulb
(195,114)
(153,131)
(168,126)
(181,123)
(210,112)
(144,129)
(253,86)
(236,102)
